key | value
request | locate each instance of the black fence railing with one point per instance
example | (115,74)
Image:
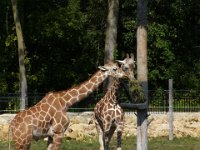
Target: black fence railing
(187,101)
(183,101)
(158,101)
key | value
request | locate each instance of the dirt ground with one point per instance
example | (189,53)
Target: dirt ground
(82,125)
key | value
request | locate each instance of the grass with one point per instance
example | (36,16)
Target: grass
(184,143)
(161,143)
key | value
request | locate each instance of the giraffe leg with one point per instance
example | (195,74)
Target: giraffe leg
(19,147)
(23,141)
(108,135)
(107,132)
(58,131)
(22,145)
(119,135)
(49,143)
(100,134)
(106,138)
(57,140)
(119,139)
(111,132)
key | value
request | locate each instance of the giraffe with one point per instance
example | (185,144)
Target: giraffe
(48,118)
(108,114)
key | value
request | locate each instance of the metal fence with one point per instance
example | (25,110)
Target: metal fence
(183,101)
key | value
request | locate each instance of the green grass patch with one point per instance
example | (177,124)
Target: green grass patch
(129,143)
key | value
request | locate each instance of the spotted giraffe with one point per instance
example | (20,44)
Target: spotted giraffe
(108,113)
(48,118)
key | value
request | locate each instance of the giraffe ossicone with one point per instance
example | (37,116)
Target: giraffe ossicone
(48,118)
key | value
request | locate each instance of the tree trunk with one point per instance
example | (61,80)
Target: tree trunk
(111,34)
(142,72)
(21,51)
(142,77)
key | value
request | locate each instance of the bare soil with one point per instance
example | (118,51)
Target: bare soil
(82,125)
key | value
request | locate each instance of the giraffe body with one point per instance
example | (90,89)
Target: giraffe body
(109,117)
(108,113)
(45,119)
(48,118)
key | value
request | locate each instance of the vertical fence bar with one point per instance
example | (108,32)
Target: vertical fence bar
(171,115)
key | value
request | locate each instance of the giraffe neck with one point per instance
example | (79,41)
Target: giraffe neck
(112,92)
(81,91)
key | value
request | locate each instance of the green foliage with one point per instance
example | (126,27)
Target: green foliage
(10,40)
(160,52)
(127,27)
(136,91)
(72,41)
(65,42)
(158,98)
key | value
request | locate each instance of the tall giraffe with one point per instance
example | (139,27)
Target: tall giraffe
(48,117)
(108,113)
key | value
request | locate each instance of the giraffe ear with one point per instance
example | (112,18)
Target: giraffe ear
(121,62)
(127,55)
(103,68)
(132,57)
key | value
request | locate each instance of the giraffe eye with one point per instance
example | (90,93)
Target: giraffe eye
(126,68)
(114,69)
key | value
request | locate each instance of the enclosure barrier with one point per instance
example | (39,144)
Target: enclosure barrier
(183,101)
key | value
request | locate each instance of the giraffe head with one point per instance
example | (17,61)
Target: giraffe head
(128,65)
(112,69)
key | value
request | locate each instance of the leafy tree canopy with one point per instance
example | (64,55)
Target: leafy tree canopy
(65,42)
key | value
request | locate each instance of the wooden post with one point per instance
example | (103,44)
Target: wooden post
(142,77)
(171,115)
(142,72)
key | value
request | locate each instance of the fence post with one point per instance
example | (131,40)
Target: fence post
(171,115)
